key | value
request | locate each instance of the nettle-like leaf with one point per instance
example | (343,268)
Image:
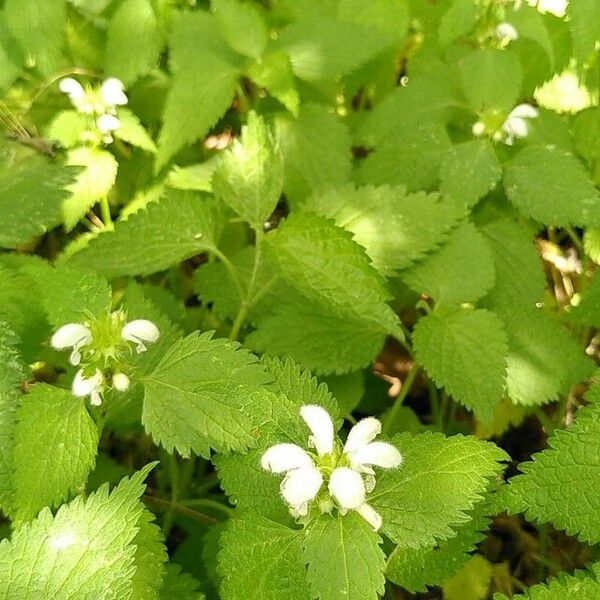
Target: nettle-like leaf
(31,195)
(549,490)
(417,568)
(204,81)
(552,186)
(55,444)
(584,21)
(242,27)
(87,546)
(179,586)
(262,560)
(439,483)
(249,178)
(464,351)
(176,227)
(344,558)
(394,227)
(246,483)
(194,398)
(133,132)
(462,270)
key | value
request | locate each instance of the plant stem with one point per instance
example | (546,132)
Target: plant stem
(105,212)
(209,504)
(163,504)
(408,382)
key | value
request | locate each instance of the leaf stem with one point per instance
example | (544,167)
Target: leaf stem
(209,503)
(163,504)
(406,386)
(105,212)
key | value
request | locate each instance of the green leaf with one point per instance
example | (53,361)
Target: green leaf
(194,397)
(388,18)
(261,560)
(39,30)
(394,227)
(586,132)
(440,480)
(204,82)
(344,558)
(249,178)
(552,186)
(180,225)
(549,488)
(316,149)
(491,79)
(464,351)
(462,270)
(520,277)
(588,309)
(469,171)
(133,132)
(458,21)
(92,184)
(179,586)
(416,568)
(242,27)
(584,19)
(133,20)
(55,442)
(411,157)
(87,546)
(31,195)
(67,128)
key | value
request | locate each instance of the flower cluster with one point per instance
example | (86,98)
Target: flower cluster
(97,347)
(100,103)
(514,126)
(347,472)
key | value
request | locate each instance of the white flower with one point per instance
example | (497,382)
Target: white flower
(478,128)
(107,123)
(506,32)
(516,125)
(350,470)
(72,335)
(120,382)
(140,331)
(89,386)
(112,93)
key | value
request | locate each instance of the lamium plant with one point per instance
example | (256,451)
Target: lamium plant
(299,299)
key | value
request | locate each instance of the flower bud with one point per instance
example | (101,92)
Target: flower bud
(120,382)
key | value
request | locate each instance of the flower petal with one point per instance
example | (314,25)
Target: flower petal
(120,382)
(285,457)
(516,127)
(107,123)
(321,425)
(524,111)
(369,514)
(112,92)
(506,31)
(86,386)
(300,486)
(347,487)
(72,335)
(140,331)
(72,87)
(380,454)
(365,431)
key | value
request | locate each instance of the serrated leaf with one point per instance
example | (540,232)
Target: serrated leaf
(39,30)
(133,20)
(86,546)
(208,381)
(344,558)
(469,171)
(204,82)
(31,195)
(457,21)
(551,186)
(55,442)
(92,184)
(249,177)
(394,227)
(417,568)
(176,227)
(133,132)
(316,149)
(472,582)
(464,351)
(411,157)
(520,278)
(440,480)
(491,79)
(67,127)
(462,270)
(549,490)
(388,18)
(242,27)
(584,20)
(586,133)
(261,560)
(274,73)
(179,586)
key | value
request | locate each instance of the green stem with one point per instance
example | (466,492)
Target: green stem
(208,503)
(231,270)
(408,382)
(163,504)
(105,212)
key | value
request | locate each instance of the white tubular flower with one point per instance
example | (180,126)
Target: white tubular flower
(300,486)
(107,123)
(88,386)
(72,88)
(140,331)
(516,125)
(505,32)
(282,458)
(347,487)
(120,382)
(321,425)
(72,335)
(112,93)
(370,515)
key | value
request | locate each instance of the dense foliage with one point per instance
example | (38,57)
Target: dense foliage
(298,299)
